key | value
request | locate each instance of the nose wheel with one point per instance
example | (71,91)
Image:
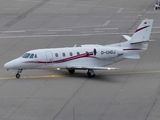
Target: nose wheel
(18,74)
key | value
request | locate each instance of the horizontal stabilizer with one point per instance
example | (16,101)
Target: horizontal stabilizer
(89,67)
(132,57)
(142,41)
(126,37)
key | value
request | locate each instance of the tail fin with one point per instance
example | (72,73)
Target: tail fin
(142,34)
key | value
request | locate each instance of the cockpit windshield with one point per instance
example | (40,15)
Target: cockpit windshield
(26,55)
(29,55)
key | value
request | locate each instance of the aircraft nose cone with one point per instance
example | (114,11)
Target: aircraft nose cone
(8,65)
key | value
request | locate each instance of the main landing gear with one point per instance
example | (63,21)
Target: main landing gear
(90,72)
(18,74)
(71,71)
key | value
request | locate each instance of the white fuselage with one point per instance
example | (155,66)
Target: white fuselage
(85,55)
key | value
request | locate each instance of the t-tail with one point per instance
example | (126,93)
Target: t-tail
(142,34)
(139,40)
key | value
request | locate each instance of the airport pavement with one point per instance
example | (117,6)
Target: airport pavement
(127,94)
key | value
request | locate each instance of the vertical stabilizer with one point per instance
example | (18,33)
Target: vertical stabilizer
(142,34)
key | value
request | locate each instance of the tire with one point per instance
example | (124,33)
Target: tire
(18,75)
(71,71)
(89,74)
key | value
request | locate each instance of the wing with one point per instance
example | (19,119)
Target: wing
(91,67)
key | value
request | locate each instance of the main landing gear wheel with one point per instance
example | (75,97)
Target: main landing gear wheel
(18,74)
(71,71)
(90,73)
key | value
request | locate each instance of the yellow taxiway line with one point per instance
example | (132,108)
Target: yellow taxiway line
(36,77)
(61,76)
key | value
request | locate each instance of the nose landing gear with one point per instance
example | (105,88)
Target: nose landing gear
(18,74)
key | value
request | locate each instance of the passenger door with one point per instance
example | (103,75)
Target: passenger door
(49,58)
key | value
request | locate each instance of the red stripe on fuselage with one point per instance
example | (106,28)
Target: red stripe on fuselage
(132,49)
(65,59)
(74,57)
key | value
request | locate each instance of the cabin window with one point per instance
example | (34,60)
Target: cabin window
(26,55)
(31,56)
(56,54)
(78,53)
(71,53)
(35,56)
(63,54)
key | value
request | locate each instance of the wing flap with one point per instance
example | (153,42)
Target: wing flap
(143,41)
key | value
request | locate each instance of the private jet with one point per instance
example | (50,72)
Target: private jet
(88,57)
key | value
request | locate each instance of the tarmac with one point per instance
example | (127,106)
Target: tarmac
(131,93)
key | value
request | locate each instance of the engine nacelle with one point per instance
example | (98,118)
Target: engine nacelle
(107,52)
